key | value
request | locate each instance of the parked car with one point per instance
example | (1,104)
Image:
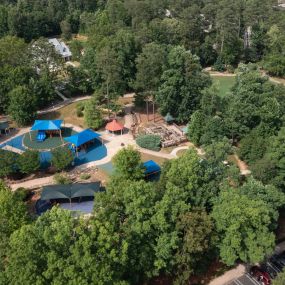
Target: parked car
(260,275)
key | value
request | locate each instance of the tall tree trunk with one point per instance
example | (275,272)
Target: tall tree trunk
(108,99)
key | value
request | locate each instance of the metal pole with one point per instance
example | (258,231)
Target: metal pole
(147,110)
(108,99)
(153,111)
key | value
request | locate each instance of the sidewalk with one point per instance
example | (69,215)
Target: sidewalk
(229,276)
(32,184)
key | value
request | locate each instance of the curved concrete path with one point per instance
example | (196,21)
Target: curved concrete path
(174,152)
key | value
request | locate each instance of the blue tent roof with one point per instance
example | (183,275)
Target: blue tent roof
(185,130)
(151,167)
(82,137)
(46,125)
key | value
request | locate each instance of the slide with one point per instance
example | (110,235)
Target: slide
(41,136)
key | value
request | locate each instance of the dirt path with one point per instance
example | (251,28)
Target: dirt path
(242,166)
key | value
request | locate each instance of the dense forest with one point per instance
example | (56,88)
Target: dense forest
(134,45)
(202,210)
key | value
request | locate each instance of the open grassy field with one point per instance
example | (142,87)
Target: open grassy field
(67,113)
(225,84)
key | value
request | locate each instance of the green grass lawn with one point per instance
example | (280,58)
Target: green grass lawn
(225,84)
(67,113)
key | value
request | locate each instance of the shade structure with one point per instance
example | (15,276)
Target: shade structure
(82,137)
(168,118)
(70,191)
(151,167)
(46,125)
(114,126)
(185,130)
(4,125)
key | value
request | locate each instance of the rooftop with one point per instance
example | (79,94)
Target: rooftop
(60,47)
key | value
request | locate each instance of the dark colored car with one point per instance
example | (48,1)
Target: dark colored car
(260,275)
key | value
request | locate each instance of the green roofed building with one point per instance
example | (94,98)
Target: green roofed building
(78,190)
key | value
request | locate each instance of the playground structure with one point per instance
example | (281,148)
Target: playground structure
(46,127)
(82,140)
(171,135)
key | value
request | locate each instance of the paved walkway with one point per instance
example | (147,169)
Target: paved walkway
(15,134)
(155,153)
(13,149)
(63,104)
(34,183)
(175,151)
(61,95)
(229,276)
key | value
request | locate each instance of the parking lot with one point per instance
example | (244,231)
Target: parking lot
(247,279)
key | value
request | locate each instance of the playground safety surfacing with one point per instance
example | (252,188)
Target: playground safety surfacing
(95,152)
(49,143)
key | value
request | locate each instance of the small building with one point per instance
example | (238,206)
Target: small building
(61,48)
(4,126)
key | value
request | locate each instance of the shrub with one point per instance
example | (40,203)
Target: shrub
(22,193)
(80,109)
(85,176)
(219,65)
(61,158)
(275,65)
(62,178)
(8,162)
(29,161)
(151,142)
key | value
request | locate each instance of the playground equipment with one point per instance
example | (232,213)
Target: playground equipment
(41,136)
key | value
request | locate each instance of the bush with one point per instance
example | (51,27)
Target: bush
(29,161)
(275,65)
(62,178)
(61,158)
(219,65)
(22,193)
(151,142)
(76,47)
(85,176)
(79,109)
(230,69)
(8,162)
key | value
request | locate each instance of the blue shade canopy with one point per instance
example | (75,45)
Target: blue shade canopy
(82,137)
(168,118)
(151,167)
(46,125)
(185,130)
